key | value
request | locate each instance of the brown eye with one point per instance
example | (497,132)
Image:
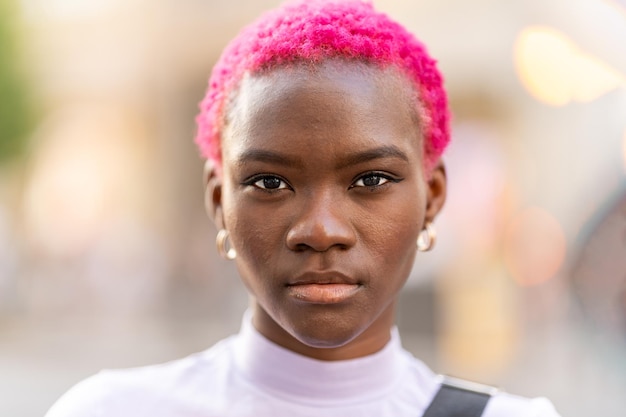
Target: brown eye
(270,183)
(371,180)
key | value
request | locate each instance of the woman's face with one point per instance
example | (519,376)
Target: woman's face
(324,195)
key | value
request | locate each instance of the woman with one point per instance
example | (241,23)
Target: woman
(323,128)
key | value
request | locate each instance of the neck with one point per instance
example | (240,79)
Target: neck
(286,374)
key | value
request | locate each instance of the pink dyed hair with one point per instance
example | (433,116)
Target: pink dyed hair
(313,31)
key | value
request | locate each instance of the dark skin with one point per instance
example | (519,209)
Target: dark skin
(323,192)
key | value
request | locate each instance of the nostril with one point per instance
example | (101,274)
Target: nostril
(301,247)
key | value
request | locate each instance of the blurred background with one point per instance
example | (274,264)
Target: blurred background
(108,260)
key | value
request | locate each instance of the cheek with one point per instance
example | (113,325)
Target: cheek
(393,244)
(256,234)
(257,240)
(394,225)
(389,243)
(394,269)
(390,240)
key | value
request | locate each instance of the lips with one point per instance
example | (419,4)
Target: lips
(323,288)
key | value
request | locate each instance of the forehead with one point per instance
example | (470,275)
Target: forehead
(332,104)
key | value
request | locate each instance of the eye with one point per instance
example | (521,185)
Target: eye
(371,180)
(268,182)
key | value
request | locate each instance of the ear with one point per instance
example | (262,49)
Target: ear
(213,193)
(437,189)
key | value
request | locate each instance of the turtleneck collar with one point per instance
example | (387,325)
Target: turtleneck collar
(294,377)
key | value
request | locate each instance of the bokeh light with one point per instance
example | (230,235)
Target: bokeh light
(534,247)
(555,71)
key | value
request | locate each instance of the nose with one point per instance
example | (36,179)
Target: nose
(321,224)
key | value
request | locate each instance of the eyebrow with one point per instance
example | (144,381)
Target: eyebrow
(271,157)
(263,155)
(382,152)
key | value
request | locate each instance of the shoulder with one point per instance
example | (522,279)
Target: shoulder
(84,399)
(507,405)
(501,404)
(162,389)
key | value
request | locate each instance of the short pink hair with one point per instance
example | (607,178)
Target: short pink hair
(316,30)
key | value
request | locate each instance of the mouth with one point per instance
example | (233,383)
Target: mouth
(323,288)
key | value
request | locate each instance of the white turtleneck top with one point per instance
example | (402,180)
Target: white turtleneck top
(247,375)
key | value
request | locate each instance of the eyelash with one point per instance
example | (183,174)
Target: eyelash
(254,180)
(285,185)
(387,178)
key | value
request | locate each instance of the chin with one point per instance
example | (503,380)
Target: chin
(325,341)
(326,330)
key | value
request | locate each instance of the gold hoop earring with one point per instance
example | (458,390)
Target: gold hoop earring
(427,238)
(220,242)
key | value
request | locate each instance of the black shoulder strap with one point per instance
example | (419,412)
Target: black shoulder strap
(459,398)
